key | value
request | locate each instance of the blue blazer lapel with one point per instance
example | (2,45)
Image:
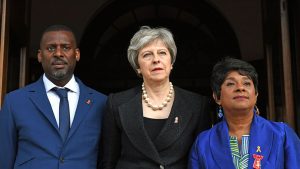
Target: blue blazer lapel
(261,141)
(220,147)
(38,95)
(260,135)
(131,117)
(85,102)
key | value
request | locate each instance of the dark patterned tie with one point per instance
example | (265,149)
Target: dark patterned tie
(64,113)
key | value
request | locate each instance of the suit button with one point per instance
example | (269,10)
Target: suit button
(161,167)
(61,160)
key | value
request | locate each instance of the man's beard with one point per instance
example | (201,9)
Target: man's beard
(59,74)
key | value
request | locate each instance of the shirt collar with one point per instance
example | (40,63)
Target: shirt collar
(72,84)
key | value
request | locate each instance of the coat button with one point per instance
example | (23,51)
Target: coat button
(61,160)
(161,167)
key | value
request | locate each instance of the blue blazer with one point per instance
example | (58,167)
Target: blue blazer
(279,145)
(29,136)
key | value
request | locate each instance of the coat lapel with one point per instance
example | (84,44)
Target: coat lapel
(85,102)
(131,117)
(219,143)
(220,147)
(261,141)
(38,96)
(175,124)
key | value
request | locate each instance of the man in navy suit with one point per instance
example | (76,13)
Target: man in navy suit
(30,123)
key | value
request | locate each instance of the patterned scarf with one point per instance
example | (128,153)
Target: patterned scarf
(240,155)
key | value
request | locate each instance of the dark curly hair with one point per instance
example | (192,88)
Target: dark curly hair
(225,66)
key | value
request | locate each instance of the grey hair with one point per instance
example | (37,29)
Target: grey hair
(145,36)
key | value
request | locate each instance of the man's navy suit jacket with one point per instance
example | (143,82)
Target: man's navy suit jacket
(29,136)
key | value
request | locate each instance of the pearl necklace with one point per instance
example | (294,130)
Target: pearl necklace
(163,104)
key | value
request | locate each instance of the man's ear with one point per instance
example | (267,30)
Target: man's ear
(39,56)
(217,100)
(77,54)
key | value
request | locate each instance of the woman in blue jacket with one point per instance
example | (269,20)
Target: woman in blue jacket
(242,139)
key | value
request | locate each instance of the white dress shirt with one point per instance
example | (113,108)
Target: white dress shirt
(73,96)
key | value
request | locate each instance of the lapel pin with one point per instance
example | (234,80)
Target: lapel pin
(257,161)
(258,149)
(88,101)
(176,120)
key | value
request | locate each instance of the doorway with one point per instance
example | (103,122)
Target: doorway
(201,33)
